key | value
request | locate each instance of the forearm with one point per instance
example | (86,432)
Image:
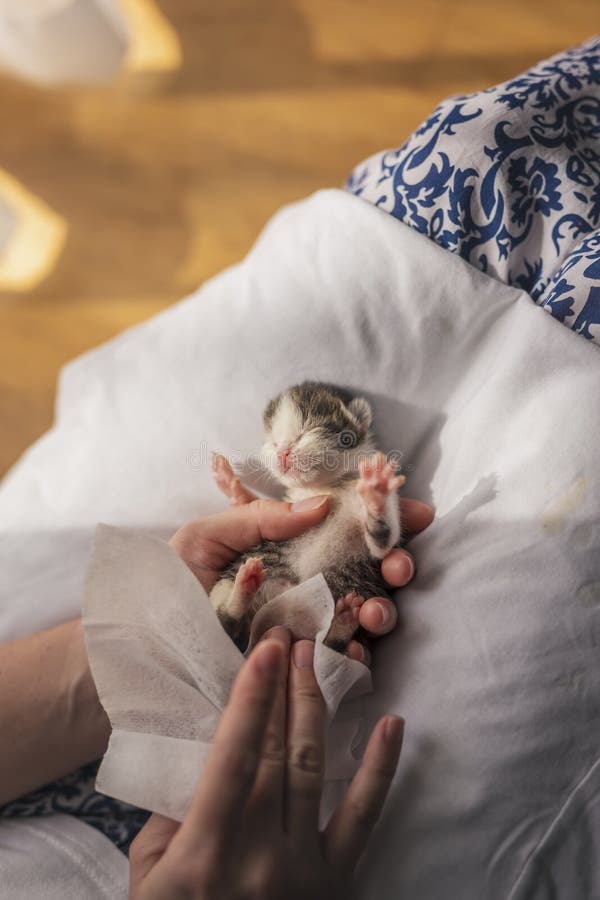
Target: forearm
(51,721)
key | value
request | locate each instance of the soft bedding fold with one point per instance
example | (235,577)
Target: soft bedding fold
(493,407)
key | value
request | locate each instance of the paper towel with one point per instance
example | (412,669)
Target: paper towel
(164,668)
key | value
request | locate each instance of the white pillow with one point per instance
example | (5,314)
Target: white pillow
(494,406)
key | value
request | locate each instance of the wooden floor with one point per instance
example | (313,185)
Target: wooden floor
(164,179)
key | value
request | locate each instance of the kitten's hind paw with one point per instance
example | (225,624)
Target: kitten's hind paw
(345,621)
(250,577)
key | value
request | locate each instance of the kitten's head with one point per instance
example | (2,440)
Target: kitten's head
(315,434)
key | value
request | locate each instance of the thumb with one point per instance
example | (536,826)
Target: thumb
(150,845)
(278,521)
(241,527)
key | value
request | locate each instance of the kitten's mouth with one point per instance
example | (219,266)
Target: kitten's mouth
(288,466)
(297,468)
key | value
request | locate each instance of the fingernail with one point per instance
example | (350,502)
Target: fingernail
(394,729)
(278,633)
(270,658)
(386,615)
(303,654)
(365,656)
(309,503)
(411,566)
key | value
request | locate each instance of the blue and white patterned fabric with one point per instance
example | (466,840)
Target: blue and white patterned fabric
(75,795)
(509,178)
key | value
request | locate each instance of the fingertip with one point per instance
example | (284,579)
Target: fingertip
(393,731)
(358,652)
(269,658)
(398,568)
(278,633)
(378,615)
(303,653)
(416,515)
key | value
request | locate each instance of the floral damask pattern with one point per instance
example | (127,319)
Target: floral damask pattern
(535,187)
(577,279)
(75,795)
(509,178)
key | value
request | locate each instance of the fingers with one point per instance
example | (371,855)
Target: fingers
(378,616)
(349,829)
(270,778)
(398,568)
(305,746)
(356,650)
(416,516)
(241,527)
(231,768)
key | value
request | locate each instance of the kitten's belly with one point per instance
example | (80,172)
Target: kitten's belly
(338,538)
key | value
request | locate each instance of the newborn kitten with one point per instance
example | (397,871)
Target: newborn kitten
(317,441)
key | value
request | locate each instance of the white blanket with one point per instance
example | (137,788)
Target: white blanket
(495,408)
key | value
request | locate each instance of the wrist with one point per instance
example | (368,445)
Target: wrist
(53,722)
(83,714)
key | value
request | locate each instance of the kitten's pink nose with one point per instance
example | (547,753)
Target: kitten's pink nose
(282,458)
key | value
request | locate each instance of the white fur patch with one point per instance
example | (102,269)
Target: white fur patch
(287,423)
(339,537)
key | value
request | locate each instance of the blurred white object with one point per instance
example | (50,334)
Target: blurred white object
(53,41)
(154,45)
(32,236)
(7,223)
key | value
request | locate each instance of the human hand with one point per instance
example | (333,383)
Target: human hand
(252,827)
(206,545)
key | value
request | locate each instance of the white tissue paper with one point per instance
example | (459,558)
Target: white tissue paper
(164,668)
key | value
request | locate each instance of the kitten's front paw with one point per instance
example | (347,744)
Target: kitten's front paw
(228,482)
(345,621)
(377,481)
(222,473)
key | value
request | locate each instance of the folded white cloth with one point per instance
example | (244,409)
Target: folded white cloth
(495,408)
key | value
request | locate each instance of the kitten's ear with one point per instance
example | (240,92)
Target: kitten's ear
(361,410)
